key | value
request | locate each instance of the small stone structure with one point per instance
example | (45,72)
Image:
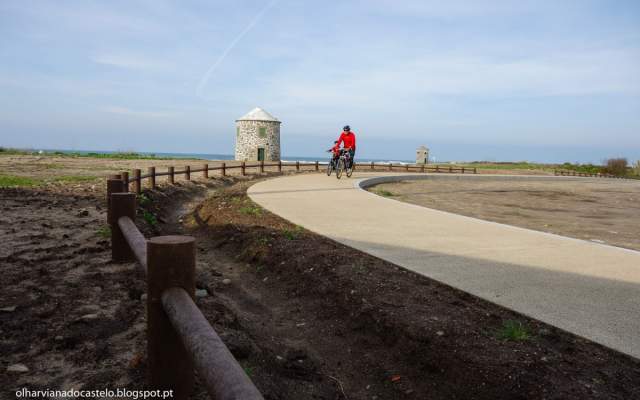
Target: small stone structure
(422,155)
(257,137)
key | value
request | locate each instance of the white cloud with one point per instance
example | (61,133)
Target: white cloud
(137,113)
(130,61)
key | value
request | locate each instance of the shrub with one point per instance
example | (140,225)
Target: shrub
(616,166)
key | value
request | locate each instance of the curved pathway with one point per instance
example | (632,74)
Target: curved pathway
(589,289)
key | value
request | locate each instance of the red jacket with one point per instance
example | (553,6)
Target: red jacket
(348,139)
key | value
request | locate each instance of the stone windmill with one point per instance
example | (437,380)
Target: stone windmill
(257,137)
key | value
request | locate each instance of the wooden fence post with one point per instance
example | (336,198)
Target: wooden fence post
(261,166)
(205,173)
(463,170)
(279,165)
(152,177)
(243,168)
(297,165)
(122,205)
(224,169)
(422,168)
(187,172)
(317,166)
(113,186)
(171,263)
(172,175)
(407,167)
(137,181)
(450,169)
(125,181)
(474,170)
(372,165)
(437,168)
(390,166)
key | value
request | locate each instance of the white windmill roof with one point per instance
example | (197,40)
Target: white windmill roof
(258,114)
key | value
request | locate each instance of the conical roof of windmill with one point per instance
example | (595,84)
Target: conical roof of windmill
(258,114)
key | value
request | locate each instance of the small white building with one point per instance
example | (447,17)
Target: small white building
(257,136)
(422,155)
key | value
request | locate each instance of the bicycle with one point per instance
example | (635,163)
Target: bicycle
(332,164)
(344,164)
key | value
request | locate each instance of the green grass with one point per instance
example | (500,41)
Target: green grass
(124,155)
(150,218)
(294,233)
(250,209)
(384,193)
(104,232)
(514,330)
(249,370)
(17,181)
(75,178)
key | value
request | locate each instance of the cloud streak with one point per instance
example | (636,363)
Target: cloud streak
(207,75)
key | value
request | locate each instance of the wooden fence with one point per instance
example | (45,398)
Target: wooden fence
(179,337)
(558,172)
(136,178)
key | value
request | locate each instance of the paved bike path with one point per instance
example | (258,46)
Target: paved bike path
(589,289)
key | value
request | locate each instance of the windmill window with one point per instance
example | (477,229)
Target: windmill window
(262,132)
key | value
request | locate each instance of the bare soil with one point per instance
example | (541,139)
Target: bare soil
(306,317)
(601,210)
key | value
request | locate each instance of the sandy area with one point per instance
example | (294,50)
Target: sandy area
(602,210)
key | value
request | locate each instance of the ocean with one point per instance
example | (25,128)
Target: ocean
(206,156)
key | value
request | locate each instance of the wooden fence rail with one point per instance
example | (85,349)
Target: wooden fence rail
(179,337)
(559,172)
(137,178)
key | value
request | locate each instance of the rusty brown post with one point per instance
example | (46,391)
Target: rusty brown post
(172,175)
(261,166)
(113,186)
(171,263)
(205,173)
(279,165)
(136,181)
(152,177)
(317,166)
(407,167)
(372,165)
(390,166)
(187,172)
(122,205)
(243,168)
(224,169)
(125,181)
(297,165)
(450,169)
(422,168)
(463,170)
(474,170)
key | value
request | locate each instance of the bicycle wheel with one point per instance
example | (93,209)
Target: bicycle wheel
(350,169)
(340,168)
(329,167)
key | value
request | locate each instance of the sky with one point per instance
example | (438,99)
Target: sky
(547,81)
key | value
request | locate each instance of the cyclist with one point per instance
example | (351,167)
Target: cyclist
(335,150)
(348,140)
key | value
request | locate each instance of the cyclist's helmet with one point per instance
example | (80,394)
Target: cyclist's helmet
(346,128)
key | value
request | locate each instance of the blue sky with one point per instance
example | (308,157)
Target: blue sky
(500,80)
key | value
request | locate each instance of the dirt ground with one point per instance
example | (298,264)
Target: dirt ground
(48,169)
(601,210)
(306,317)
